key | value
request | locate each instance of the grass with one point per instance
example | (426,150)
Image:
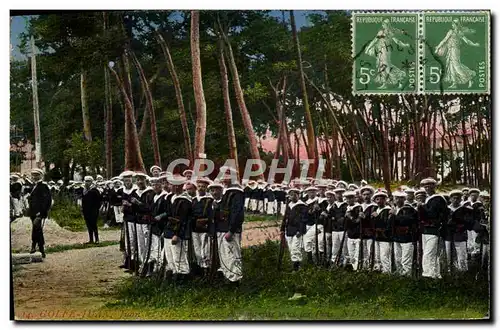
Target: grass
(250,217)
(331,295)
(76,246)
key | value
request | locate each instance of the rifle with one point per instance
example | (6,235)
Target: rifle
(339,253)
(136,252)
(145,265)
(360,254)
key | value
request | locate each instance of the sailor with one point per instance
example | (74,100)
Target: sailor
(405,234)
(410,197)
(270,199)
(91,203)
(293,226)
(352,187)
(261,186)
(16,193)
(78,193)
(187,174)
(455,232)
(478,215)
(39,202)
(202,219)
(312,226)
(342,184)
(353,216)
(483,239)
(382,218)
(176,232)
(339,242)
(367,227)
(142,205)
(248,194)
(229,230)
(433,215)
(155,171)
(465,195)
(280,194)
(159,214)
(420,196)
(129,219)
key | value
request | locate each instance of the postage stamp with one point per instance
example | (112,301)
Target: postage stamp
(456,52)
(385,52)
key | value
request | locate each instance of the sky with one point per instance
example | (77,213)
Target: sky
(18,26)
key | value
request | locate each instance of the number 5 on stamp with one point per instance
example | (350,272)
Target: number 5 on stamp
(385,53)
(457,52)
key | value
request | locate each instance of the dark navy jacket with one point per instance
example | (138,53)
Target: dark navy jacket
(405,224)
(231,211)
(202,213)
(295,219)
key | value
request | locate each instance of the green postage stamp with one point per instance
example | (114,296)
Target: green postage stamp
(422,52)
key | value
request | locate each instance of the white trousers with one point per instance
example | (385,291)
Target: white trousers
(295,247)
(310,238)
(336,243)
(177,256)
(79,202)
(142,240)
(230,257)
(253,204)
(201,247)
(282,208)
(155,249)
(383,257)
(271,208)
(367,251)
(459,256)
(403,257)
(18,207)
(247,203)
(118,210)
(472,246)
(131,230)
(430,256)
(353,250)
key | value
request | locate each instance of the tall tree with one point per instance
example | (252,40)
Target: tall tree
(199,95)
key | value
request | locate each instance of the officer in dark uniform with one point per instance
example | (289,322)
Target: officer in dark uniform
(39,202)
(91,203)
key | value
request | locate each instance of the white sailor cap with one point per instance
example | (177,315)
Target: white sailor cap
(465,189)
(14,175)
(370,188)
(296,190)
(455,192)
(399,193)
(155,167)
(88,178)
(312,188)
(474,190)
(329,192)
(409,191)
(350,193)
(140,174)
(420,192)
(203,180)
(99,177)
(342,183)
(379,193)
(37,171)
(186,172)
(352,185)
(215,184)
(126,174)
(339,190)
(428,181)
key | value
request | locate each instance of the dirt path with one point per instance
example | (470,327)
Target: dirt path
(73,284)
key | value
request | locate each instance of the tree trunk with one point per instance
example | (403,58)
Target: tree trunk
(178,95)
(128,83)
(247,121)
(199,96)
(385,159)
(133,156)
(145,117)
(233,150)
(312,151)
(108,114)
(85,108)
(150,108)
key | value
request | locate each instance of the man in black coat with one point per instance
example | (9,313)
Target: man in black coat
(91,203)
(40,201)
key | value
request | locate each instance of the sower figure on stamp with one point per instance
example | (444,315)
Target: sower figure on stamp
(142,205)
(433,214)
(39,203)
(91,203)
(293,226)
(382,218)
(405,234)
(176,233)
(353,216)
(202,218)
(229,230)
(131,262)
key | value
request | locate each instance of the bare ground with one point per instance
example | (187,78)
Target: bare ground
(73,284)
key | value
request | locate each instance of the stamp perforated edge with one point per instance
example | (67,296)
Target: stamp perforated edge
(353,50)
(488,30)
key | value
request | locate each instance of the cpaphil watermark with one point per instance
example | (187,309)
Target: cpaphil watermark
(68,314)
(253,168)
